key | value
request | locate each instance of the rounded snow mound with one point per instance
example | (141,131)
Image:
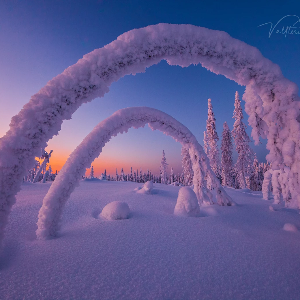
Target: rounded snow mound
(116,210)
(187,203)
(147,188)
(290,227)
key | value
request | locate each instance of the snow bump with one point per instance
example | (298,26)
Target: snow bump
(187,203)
(116,210)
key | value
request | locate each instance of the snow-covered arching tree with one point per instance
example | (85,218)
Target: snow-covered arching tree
(226,156)
(245,158)
(272,101)
(211,136)
(91,147)
(187,166)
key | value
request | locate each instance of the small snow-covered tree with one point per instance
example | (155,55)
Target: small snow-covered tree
(210,141)
(244,164)
(92,173)
(141,176)
(226,156)
(188,172)
(172,176)
(122,176)
(257,177)
(163,169)
(131,175)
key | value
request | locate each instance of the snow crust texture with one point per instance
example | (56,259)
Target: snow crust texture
(82,157)
(271,100)
(187,203)
(239,253)
(116,210)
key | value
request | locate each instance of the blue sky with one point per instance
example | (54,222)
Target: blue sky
(39,39)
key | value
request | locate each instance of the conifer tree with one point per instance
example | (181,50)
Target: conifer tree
(141,176)
(131,174)
(122,176)
(92,173)
(163,169)
(210,141)
(226,156)
(171,176)
(188,172)
(244,162)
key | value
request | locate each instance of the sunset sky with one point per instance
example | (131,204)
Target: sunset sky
(39,39)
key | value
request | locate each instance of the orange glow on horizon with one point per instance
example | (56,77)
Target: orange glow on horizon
(59,158)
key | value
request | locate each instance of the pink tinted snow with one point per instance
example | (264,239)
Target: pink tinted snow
(272,101)
(242,252)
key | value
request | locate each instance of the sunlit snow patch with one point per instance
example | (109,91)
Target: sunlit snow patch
(115,210)
(187,203)
(290,227)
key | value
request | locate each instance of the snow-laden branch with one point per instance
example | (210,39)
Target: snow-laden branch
(91,147)
(41,118)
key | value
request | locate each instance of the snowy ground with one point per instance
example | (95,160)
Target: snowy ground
(239,252)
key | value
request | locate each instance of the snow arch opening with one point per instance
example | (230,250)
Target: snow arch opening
(272,101)
(91,147)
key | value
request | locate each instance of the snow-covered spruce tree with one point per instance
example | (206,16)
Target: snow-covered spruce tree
(141,176)
(226,156)
(163,169)
(92,173)
(244,164)
(210,141)
(257,178)
(122,176)
(187,167)
(131,175)
(172,176)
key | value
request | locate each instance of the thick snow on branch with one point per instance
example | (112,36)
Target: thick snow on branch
(91,147)
(41,118)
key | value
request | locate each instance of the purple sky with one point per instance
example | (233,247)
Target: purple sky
(39,39)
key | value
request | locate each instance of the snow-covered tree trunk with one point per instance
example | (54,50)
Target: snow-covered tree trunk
(283,179)
(276,186)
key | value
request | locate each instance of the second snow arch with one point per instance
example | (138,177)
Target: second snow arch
(91,147)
